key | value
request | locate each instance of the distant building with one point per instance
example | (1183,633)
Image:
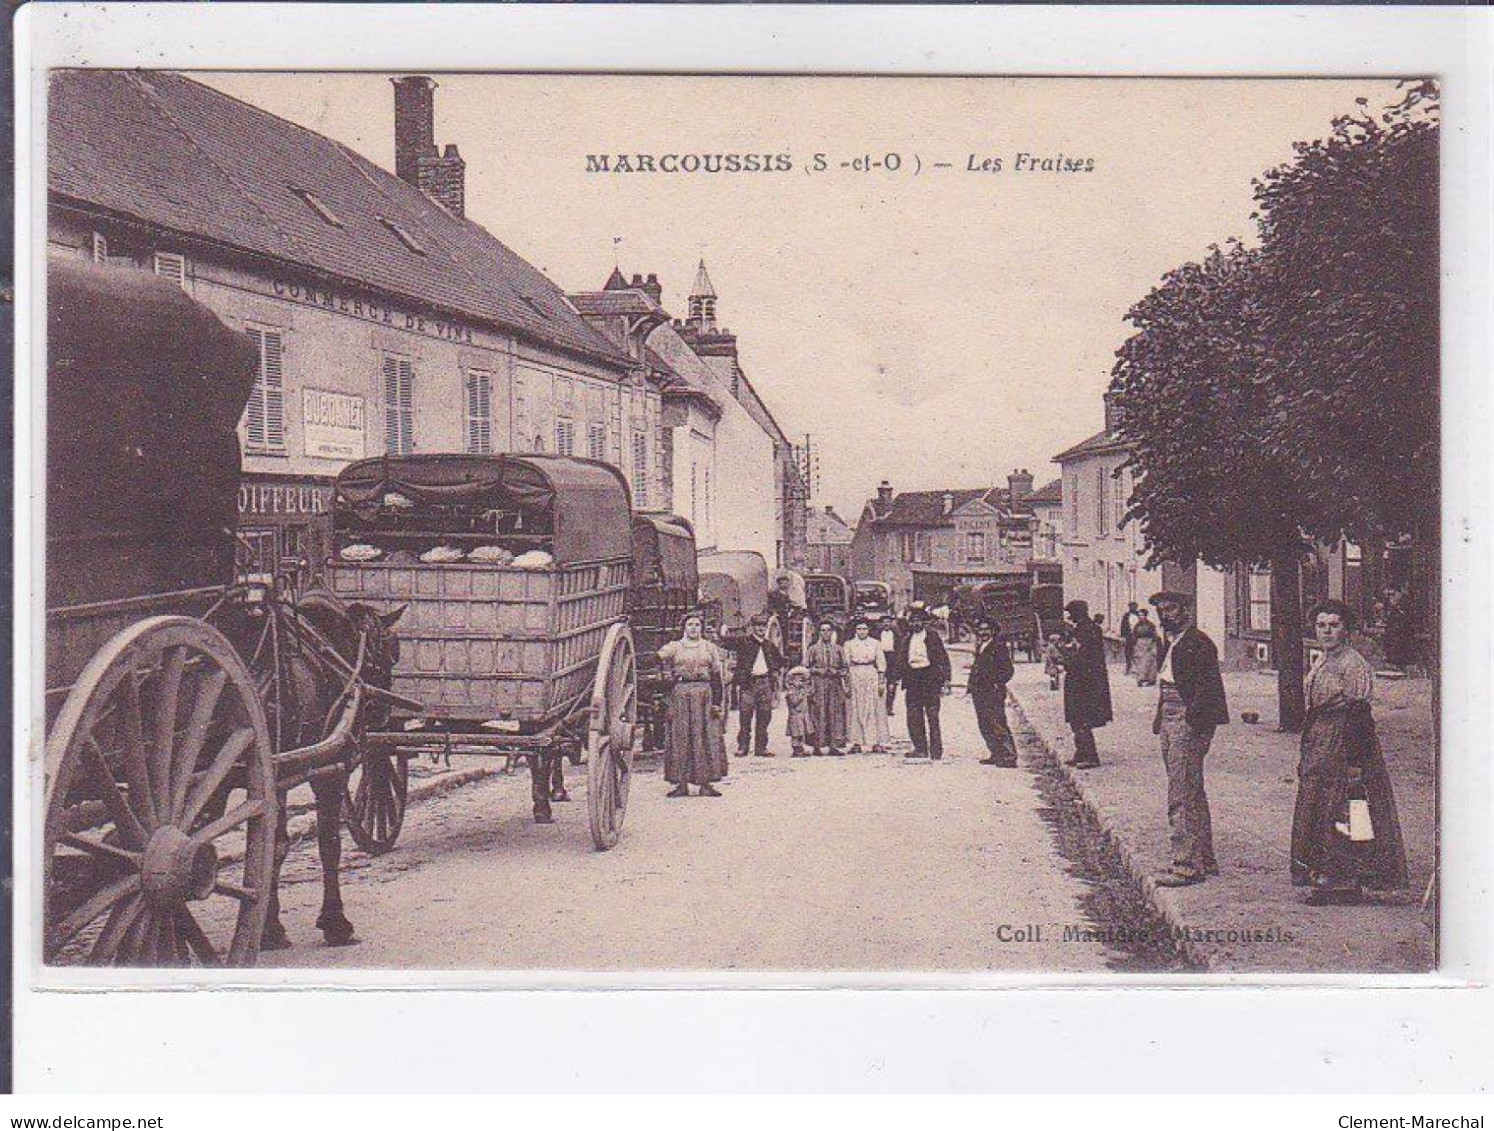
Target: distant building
(718,458)
(828,540)
(1047,509)
(717,347)
(924,543)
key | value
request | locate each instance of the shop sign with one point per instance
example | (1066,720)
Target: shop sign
(288,499)
(332,424)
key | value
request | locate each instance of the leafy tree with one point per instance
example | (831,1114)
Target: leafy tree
(1191,396)
(1350,248)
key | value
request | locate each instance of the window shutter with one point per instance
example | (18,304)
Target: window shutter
(255,412)
(100,248)
(479,412)
(171,266)
(399,405)
(640,469)
(272,375)
(596,441)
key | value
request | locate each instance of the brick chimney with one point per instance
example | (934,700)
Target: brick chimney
(884,495)
(441,175)
(1112,414)
(653,288)
(948,502)
(1019,484)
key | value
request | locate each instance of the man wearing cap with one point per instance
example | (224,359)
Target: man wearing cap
(758,663)
(990,672)
(1190,706)
(1086,687)
(923,667)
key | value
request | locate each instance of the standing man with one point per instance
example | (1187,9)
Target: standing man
(1190,706)
(923,666)
(891,640)
(1128,634)
(990,672)
(758,663)
(1086,686)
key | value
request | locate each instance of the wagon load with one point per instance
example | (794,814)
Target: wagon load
(513,637)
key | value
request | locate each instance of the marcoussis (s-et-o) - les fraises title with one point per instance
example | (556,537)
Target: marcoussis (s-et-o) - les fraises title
(690,163)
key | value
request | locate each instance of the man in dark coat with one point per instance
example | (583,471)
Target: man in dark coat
(923,667)
(1086,688)
(990,672)
(1190,706)
(1128,633)
(758,662)
(891,638)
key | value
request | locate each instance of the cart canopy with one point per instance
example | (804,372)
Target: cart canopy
(145,388)
(739,580)
(664,552)
(828,592)
(580,507)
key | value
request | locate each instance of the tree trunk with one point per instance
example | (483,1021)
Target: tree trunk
(1286,638)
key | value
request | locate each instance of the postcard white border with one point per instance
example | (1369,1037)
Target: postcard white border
(915,1038)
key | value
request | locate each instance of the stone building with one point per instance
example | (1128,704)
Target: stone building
(717,347)
(718,459)
(828,539)
(386,321)
(924,543)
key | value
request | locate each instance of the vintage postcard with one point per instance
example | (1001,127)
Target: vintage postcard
(740,524)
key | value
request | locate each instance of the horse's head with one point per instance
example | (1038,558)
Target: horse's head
(381,649)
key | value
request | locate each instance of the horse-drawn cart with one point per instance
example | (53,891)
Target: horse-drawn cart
(666,588)
(181,702)
(510,574)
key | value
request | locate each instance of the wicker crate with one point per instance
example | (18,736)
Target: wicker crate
(481,642)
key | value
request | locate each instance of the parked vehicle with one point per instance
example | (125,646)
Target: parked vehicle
(181,701)
(514,572)
(665,589)
(829,598)
(871,599)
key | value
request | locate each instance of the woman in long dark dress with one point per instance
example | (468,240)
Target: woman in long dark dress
(691,750)
(1341,761)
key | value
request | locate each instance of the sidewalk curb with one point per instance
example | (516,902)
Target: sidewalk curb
(1161,905)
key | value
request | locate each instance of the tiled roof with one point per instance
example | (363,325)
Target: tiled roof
(173,153)
(603,303)
(1101,441)
(926,508)
(826,528)
(1051,493)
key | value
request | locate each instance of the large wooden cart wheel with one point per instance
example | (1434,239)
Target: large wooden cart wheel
(160,826)
(610,735)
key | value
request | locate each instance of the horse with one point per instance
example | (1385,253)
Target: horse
(305,693)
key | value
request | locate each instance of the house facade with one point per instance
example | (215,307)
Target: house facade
(828,539)
(925,543)
(387,323)
(717,459)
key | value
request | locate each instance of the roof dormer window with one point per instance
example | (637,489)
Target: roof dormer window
(319,206)
(402,235)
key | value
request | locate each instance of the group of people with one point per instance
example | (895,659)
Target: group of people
(1346,835)
(838,701)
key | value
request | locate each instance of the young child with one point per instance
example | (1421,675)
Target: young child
(1053,660)
(796,698)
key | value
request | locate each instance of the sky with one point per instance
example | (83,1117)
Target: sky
(935,330)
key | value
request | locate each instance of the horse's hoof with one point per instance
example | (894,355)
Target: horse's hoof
(274,938)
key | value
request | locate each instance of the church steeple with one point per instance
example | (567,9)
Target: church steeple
(703,301)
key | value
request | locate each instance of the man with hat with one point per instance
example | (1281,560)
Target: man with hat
(1190,706)
(758,662)
(1086,688)
(923,667)
(990,672)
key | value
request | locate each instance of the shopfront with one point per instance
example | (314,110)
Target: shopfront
(285,526)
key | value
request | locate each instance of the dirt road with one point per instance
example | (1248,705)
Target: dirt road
(866,863)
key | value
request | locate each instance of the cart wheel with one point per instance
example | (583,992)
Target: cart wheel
(609,737)
(158,768)
(374,805)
